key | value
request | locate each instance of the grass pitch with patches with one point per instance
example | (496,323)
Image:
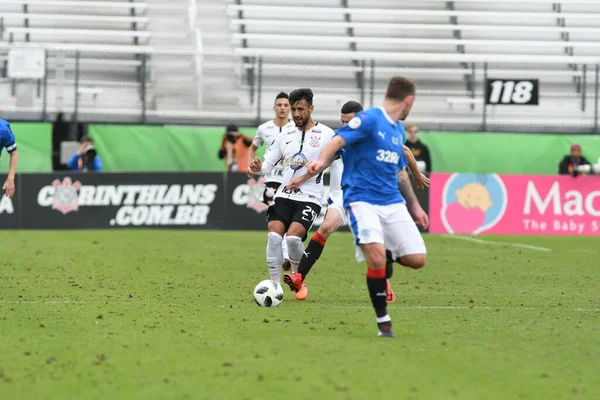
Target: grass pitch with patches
(170,315)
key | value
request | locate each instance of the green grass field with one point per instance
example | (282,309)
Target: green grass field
(170,315)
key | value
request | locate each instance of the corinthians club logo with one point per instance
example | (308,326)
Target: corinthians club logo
(255,195)
(66,194)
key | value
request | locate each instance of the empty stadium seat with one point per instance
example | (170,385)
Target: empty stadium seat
(329,45)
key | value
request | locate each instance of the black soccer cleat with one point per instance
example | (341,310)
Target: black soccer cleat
(385,329)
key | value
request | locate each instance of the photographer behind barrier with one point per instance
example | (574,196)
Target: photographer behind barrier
(235,149)
(86,159)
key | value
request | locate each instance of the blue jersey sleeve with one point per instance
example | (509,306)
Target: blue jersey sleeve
(8,139)
(357,130)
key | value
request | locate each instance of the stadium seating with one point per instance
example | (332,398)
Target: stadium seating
(423,40)
(107,35)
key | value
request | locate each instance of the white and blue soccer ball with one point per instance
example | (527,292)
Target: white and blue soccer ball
(268,293)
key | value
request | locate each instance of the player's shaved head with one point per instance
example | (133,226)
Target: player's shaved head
(400,88)
(301,94)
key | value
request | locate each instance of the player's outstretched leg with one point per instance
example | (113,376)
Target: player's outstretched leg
(296,249)
(274,255)
(332,223)
(312,253)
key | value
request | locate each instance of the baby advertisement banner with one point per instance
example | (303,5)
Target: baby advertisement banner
(514,204)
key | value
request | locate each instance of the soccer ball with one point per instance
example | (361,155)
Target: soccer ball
(268,293)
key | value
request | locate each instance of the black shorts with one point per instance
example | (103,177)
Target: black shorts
(288,211)
(270,189)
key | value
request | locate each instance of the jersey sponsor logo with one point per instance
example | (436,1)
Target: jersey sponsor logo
(355,123)
(138,204)
(250,195)
(387,156)
(297,161)
(315,141)
(316,131)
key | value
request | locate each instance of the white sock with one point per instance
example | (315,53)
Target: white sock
(284,248)
(295,250)
(274,256)
(385,318)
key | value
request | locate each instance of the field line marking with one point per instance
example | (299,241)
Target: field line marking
(493,242)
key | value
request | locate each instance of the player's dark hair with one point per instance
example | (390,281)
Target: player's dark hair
(86,138)
(400,88)
(300,94)
(282,95)
(351,107)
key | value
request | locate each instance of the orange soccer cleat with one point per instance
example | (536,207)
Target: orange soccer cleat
(391,297)
(297,285)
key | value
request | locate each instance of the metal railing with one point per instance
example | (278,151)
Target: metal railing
(99,83)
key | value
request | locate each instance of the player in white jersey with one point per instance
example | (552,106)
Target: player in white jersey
(337,216)
(266,134)
(294,211)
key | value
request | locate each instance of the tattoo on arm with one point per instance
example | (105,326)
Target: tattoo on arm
(406,188)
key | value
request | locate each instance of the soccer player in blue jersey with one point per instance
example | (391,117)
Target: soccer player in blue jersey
(7,141)
(374,164)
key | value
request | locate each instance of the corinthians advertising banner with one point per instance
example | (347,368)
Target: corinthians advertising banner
(161,200)
(120,200)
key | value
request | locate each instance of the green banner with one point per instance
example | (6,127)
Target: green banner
(160,148)
(504,153)
(34,142)
(175,148)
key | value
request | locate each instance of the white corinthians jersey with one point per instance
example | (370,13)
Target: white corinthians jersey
(299,148)
(267,133)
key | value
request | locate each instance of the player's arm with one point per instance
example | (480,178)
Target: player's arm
(256,143)
(412,202)
(11,148)
(272,157)
(421,180)
(328,154)
(337,168)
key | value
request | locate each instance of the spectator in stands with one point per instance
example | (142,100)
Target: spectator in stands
(86,159)
(569,164)
(419,150)
(235,149)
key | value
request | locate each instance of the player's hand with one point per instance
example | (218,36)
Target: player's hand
(422,181)
(255,165)
(249,173)
(9,187)
(294,183)
(420,216)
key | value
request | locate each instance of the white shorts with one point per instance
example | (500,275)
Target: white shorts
(390,225)
(336,201)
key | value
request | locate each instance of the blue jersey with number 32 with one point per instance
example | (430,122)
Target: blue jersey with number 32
(372,158)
